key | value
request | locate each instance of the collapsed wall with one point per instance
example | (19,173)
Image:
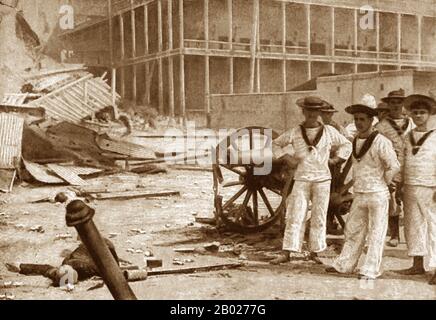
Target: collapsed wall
(20,52)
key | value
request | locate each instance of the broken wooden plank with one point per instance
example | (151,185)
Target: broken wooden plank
(190,168)
(54,93)
(54,72)
(41,173)
(212,268)
(68,175)
(209,221)
(125,148)
(82,171)
(7,178)
(178,159)
(133,195)
(11,136)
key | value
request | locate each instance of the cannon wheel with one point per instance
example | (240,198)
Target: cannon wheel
(254,204)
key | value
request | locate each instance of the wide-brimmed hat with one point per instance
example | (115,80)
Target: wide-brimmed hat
(361,108)
(420,100)
(328,108)
(311,103)
(397,94)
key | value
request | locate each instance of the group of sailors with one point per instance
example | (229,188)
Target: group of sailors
(392,150)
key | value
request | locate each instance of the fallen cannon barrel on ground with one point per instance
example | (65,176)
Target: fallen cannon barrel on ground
(79,215)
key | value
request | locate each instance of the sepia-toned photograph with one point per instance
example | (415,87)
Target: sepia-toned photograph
(217,150)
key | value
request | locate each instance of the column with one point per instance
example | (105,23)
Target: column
(206,22)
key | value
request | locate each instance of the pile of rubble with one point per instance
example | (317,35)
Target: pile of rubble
(60,124)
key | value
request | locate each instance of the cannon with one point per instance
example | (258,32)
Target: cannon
(248,202)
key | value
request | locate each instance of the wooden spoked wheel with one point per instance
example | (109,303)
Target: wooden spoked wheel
(246,198)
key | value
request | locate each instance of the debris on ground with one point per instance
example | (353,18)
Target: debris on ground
(153,263)
(210,268)
(7,297)
(64,236)
(38,229)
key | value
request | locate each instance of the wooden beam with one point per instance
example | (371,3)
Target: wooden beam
(207,83)
(171,85)
(231,75)
(133,27)
(377,17)
(147,50)
(419,37)
(181,25)
(170,24)
(284,75)
(399,36)
(309,29)
(57,91)
(134,84)
(123,84)
(111,33)
(230,13)
(254,30)
(258,75)
(159,25)
(161,93)
(333,25)
(123,48)
(206,22)
(309,70)
(182,86)
(114,89)
(356,23)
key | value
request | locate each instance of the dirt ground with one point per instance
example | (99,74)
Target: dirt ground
(168,224)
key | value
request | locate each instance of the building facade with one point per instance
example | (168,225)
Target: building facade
(174,54)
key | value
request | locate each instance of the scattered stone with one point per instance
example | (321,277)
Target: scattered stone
(63,236)
(178,262)
(114,235)
(139,251)
(168,226)
(212,247)
(138,231)
(191,224)
(243,257)
(10,285)
(38,229)
(68,287)
(130,250)
(188,261)
(148,253)
(7,297)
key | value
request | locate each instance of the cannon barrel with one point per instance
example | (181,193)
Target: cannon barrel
(79,215)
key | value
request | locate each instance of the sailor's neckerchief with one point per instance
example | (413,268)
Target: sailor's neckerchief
(416,145)
(312,145)
(399,130)
(366,146)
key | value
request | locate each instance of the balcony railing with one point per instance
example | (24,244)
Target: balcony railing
(320,49)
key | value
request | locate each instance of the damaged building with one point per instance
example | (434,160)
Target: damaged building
(175,58)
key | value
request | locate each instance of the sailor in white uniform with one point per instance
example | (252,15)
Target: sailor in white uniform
(374,165)
(420,186)
(309,145)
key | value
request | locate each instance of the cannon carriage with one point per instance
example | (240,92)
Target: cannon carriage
(248,197)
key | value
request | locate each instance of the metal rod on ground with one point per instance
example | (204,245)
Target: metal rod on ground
(79,215)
